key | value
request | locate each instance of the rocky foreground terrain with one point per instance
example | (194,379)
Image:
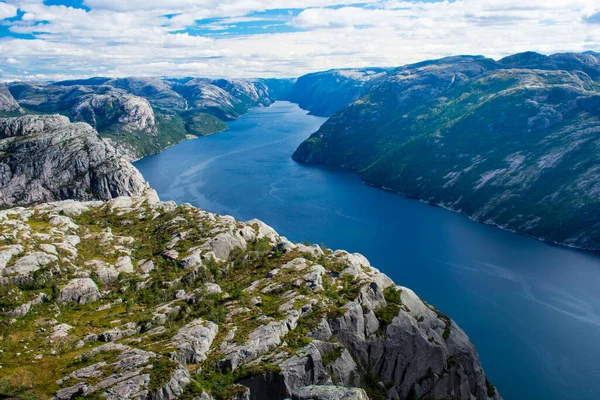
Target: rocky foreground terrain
(139,299)
(512,142)
(47,158)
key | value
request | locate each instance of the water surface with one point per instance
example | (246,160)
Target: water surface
(532,309)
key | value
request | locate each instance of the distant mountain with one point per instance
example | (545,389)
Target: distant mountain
(323,93)
(513,142)
(141,116)
(144,115)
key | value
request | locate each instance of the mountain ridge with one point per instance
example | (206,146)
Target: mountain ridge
(500,141)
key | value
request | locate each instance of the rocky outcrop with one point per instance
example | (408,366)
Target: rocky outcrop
(46,158)
(80,291)
(193,341)
(117,112)
(510,142)
(7,101)
(256,317)
(329,393)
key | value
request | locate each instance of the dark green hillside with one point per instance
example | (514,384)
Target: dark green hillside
(513,146)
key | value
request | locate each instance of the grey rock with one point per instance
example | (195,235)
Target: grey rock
(133,388)
(81,290)
(223,244)
(212,288)
(61,331)
(105,273)
(315,250)
(47,158)
(130,113)
(316,392)
(264,230)
(7,253)
(174,387)
(261,340)
(314,279)
(7,101)
(304,368)
(124,265)
(146,266)
(114,334)
(193,341)
(321,331)
(19,311)
(407,349)
(24,309)
(29,263)
(48,248)
(193,260)
(72,392)
(286,246)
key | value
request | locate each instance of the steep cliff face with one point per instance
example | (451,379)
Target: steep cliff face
(511,143)
(47,158)
(323,93)
(8,104)
(140,299)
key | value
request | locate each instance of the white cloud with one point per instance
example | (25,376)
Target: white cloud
(7,11)
(134,37)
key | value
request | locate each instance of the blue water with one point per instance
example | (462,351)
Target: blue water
(532,309)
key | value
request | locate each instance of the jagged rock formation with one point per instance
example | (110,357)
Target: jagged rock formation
(7,102)
(510,142)
(48,158)
(207,307)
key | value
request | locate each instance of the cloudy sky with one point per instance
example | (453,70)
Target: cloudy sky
(54,39)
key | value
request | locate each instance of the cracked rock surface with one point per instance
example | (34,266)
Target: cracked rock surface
(134,298)
(47,158)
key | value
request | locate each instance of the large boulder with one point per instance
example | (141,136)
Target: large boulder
(80,290)
(223,244)
(193,341)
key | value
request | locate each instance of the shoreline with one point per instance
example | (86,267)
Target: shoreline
(187,137)
(190,136)
(387,189)
(493,224)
